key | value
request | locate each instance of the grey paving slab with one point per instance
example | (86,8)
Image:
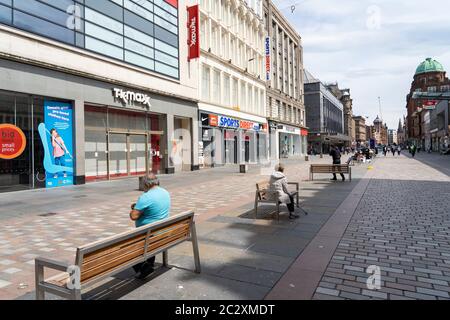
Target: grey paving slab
(398,226)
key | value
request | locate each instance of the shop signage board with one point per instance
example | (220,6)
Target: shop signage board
(56,134)
(130,97)
(227,122)
(173,3)
(230,122)
(430,104)
(193,32)
(12,141)
(268,59)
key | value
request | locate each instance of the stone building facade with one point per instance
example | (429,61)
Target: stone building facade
(284,75)
(430,77)
(349,125)
(360,130)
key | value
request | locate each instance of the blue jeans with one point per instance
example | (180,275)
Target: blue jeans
(60,161)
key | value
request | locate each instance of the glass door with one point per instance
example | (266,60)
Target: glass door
(118,155)
(137,154)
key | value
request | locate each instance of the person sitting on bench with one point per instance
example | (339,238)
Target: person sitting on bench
(152,206)
(278,184)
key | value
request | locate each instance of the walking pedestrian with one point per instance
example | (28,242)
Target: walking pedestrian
(152,206)
(399,150)
(278,185)
(413,150)
(336,155)
(393,150)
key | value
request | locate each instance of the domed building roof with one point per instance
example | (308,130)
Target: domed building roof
(377,120)
(429,65)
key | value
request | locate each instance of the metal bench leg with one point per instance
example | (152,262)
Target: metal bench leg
(76,294)
(39,277)
(256,206)
(195,248)
(166,259)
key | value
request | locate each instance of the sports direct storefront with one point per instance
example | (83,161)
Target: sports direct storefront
(287,141)
(228,140)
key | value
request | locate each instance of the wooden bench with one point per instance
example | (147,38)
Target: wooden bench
(330,168)
(263,195)
(102,259)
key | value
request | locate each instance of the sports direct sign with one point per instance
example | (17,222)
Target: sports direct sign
(231,123)
(12,142)
(193,33)
(268,59)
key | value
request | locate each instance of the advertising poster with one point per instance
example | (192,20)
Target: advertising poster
(12,141)
(57,138)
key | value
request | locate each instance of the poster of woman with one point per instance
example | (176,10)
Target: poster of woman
(57,139)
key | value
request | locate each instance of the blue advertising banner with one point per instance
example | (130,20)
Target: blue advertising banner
(57,138)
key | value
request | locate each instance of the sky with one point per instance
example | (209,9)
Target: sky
(372,47)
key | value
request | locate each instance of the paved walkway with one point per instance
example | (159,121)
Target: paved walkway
(395,216)
(402,225)
(233,245)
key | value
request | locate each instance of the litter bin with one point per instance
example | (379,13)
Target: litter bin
(243,168)
(141,183)
(306,158)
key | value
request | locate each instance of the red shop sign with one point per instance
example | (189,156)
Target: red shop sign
(193,32)
(173,3)
(12,141)
(213,120)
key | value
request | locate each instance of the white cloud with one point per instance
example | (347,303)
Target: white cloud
(377,61)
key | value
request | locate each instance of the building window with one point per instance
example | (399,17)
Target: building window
(226,90)
(235,94)
(216,86)
(143,33)
(205,83)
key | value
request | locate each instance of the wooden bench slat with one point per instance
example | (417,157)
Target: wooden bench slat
(154,243)
(87,265)
(110,266)
(136,247)
(100,270)
(113,248)
(125,243)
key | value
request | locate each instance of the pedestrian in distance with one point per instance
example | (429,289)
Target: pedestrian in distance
(335,153)
(413,150)
(393,150)
(399,150)
(278,187)
(152,206)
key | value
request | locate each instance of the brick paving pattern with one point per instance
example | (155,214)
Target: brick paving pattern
(92,216)
(401,225)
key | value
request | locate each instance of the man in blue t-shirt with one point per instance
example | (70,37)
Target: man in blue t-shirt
(152,206)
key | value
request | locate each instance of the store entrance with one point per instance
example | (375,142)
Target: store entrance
(127,154)
(133,154)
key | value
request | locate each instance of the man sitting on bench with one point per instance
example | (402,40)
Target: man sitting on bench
(152,206)
(279,185)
